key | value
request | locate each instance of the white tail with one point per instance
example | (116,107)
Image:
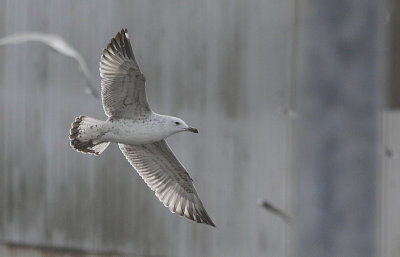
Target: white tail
(84,135)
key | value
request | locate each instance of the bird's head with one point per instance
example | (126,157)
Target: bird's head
(177,125)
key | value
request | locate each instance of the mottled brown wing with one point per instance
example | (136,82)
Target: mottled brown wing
(122,84)
(166,176)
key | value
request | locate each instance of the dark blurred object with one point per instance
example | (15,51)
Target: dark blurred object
(271,208)
(390,153)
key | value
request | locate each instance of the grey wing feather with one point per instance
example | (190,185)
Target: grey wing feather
(122,84)
(165,175)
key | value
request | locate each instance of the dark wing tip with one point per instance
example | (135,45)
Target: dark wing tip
(124,33)
(118,48)
(207,220)
(211,223)
(122,41)
(200,216)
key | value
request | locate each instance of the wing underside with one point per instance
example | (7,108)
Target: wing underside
(166,176)
(122,84)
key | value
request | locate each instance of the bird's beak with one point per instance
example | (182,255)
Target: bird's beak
(194,130)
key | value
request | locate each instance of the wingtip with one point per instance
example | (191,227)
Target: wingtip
(208,221)
(212,224)
(205,218)
(124,31)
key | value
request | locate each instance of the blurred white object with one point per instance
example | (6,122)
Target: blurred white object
(286,111)
(58,44)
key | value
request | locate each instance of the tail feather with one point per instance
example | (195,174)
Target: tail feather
(84,135)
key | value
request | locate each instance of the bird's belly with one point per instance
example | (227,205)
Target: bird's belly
(131,133)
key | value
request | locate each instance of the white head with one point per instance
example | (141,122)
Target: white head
(175,125)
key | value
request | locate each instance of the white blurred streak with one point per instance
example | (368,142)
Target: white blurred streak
(58,44)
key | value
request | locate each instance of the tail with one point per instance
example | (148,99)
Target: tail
(84,135)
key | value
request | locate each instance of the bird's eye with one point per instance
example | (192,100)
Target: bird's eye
(177,123)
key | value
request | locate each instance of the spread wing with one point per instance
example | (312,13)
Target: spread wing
(165,175)
(122,84)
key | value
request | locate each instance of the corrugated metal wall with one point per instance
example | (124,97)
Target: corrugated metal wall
(224,66)
(390,189)
(340,84)
(10,250)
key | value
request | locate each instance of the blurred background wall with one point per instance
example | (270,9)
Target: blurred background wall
(224,66)
(340,88)
(228,67)
(389,202)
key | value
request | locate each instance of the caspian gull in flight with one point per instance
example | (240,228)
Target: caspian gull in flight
(139,131)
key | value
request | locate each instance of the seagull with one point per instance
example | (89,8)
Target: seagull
(139,132)
(59,45)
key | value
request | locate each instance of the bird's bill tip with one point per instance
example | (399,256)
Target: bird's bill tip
(194,130)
